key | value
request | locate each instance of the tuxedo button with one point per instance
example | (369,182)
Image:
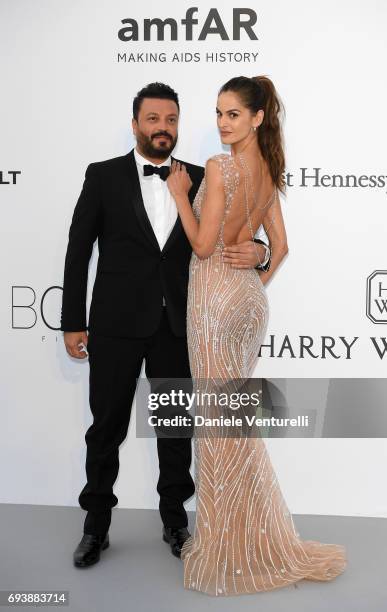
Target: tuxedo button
(162,256)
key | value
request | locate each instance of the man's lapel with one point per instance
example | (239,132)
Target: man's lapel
(176,230)
(138,202)
(140,210)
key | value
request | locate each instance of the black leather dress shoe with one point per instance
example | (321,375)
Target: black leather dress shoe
(88,550)
(175,537)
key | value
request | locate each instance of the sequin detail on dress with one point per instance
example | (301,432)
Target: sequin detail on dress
(244,540)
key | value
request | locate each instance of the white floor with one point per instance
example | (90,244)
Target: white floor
(138,571)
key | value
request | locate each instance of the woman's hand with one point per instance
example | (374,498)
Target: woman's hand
(178,181)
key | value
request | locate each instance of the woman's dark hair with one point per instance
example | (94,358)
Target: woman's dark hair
(258,93)
(154,90)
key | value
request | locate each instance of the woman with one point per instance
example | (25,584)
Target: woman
(244,539)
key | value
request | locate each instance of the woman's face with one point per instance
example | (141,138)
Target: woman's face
(235,121)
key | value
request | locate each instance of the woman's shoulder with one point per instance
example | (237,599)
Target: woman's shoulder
(227,171)
(221,157)
(224,161)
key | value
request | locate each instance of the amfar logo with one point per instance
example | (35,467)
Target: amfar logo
(377,296)
(243,19)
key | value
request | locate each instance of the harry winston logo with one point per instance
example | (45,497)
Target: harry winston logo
(377,296)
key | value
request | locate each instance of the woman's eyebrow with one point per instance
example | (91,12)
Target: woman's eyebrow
(231,110)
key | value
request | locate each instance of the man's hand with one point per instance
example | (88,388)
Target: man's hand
(72,342)
(244,254)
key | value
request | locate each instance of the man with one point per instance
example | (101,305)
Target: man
(137,311)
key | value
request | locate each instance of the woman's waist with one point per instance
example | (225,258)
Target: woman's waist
(217,253)
(214,264)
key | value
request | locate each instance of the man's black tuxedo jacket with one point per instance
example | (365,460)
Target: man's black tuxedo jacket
(133,273)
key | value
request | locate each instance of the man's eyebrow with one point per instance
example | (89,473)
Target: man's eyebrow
(155,113)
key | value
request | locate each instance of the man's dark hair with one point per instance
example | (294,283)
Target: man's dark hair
(154,90)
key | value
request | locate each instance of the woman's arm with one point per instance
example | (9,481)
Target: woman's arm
(202,236)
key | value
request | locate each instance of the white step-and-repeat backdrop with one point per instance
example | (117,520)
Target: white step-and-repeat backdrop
(69,72)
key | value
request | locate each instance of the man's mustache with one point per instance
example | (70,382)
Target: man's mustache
(162,134)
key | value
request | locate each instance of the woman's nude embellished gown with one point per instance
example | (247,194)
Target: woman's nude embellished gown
(244,540)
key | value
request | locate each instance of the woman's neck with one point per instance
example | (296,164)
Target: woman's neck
(247,145)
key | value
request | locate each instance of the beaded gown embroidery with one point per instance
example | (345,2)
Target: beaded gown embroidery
(244,539)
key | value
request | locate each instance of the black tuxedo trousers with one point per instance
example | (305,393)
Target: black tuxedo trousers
(115,363)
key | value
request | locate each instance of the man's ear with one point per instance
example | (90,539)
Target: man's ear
(134,126)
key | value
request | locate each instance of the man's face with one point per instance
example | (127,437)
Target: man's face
(156,127)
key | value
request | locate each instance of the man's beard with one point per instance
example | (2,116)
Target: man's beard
(150,149)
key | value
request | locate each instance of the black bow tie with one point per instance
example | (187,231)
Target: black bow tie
(163,171)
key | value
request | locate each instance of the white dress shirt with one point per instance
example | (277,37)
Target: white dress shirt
(158,201)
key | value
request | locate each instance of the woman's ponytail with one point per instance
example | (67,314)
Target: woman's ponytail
(258,93)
